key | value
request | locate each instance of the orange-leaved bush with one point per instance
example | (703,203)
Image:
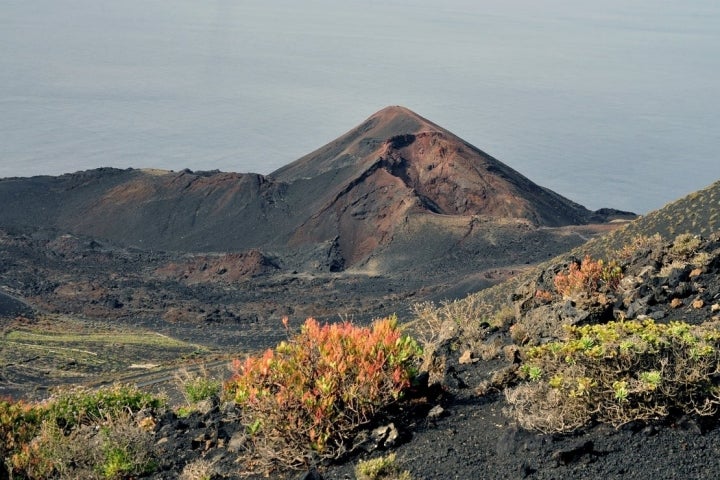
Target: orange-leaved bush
(19,422)
(587,277)
(305,398)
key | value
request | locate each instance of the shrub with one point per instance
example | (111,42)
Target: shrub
(587,277)
(519,334)
(78,434)
(197,387)
(381,468)
(468,313)
(126,450)
(41,457)
(617,373)
(504,317)
(543,296)
(113,449)
(74,407)
(307,396)
(685,246)
(19,423)
(200,469)
(638,244)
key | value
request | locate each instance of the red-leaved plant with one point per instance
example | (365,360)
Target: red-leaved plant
(307,396)
(587,277)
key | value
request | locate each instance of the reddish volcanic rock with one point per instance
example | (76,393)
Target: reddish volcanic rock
(229,268)
(397,164)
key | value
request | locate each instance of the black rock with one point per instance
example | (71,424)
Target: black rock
(638,307)
(683,290)
(678,275)
(564,457)
(311,474)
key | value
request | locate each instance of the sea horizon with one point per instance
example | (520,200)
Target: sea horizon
(610,105)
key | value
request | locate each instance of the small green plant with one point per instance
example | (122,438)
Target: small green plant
(197,387)
(381,468)
(532,372)
(638,244)
(184,411)
(587,277)
(200,469)
(685,246)
(619,372)
(621,391)
(117,462)
(305,397)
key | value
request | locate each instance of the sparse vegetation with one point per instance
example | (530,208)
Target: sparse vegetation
(79,434)
(381,468)
(305,397)
(467,314)
(126,449)
(197,386)
(19,423)
(200,469)
(70,408)
(64,346)
(638,244)
(452,318)
(617,373)
(685,246)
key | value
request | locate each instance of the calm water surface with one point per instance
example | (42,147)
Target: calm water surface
(612,103)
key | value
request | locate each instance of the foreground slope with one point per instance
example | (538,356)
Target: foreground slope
(698,213)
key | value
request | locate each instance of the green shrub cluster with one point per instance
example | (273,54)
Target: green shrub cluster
(618,372)
(196,387)
(685,246)
(78,434)
(381,468)
(74,407)
(201,388)
(304,398)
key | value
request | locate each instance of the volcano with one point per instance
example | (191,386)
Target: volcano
(437,171)
(338,205)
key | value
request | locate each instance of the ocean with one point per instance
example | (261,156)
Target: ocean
(611,104)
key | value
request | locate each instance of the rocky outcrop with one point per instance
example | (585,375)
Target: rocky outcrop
(226,268)
(662,280)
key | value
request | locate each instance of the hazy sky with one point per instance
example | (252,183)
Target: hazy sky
(610,103)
